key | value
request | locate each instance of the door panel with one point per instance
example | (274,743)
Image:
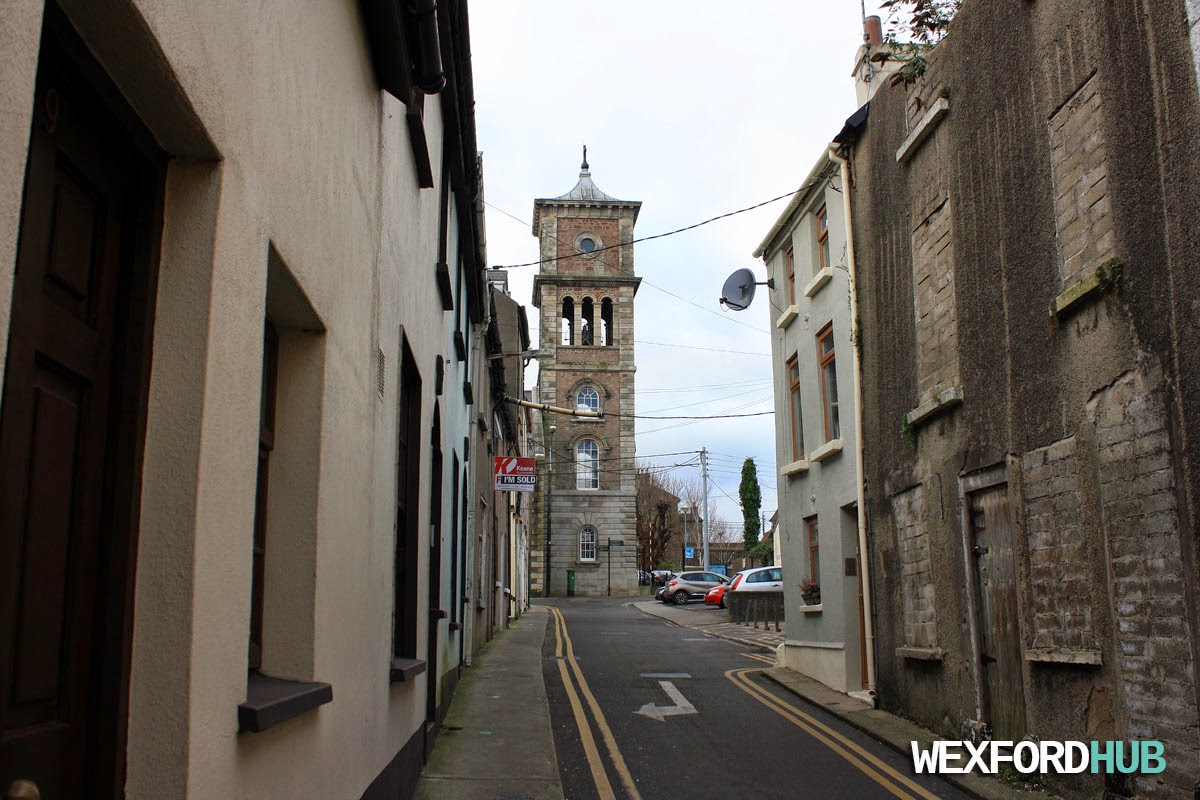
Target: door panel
(999,624)
(70,443)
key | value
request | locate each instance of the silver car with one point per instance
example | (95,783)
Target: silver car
(690,586)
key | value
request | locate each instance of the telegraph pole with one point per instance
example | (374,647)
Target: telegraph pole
(704,476)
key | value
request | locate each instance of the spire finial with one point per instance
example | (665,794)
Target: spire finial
(584,165)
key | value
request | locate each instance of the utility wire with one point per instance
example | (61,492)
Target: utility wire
(644,238)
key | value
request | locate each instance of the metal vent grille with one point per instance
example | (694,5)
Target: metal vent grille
(380,372)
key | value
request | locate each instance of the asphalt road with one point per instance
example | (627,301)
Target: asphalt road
(646,709)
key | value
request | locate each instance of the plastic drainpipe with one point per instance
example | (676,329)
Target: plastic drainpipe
(864,555)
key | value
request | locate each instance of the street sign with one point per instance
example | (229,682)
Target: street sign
(689,552)
(515,474)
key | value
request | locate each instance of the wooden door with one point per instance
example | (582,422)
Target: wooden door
(71,427)
(999,630)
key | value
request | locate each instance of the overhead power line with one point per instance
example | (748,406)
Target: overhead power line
(645,238)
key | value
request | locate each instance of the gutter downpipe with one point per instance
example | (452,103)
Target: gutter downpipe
(861,488)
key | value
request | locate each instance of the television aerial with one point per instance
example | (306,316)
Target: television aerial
(738,291)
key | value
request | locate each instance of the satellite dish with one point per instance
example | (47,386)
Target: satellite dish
(738,291)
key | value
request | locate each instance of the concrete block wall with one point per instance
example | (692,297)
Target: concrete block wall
(1059,568)
(917,587)
(1078,164)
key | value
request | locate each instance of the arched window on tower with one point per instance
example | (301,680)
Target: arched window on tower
(587,464)
(606,322)
(587,329)
(588,399)
(568,321)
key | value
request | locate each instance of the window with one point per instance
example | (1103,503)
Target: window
(587,465)
(266,443)
(814,549)
(587,244)
(789,261)
(829,396)
(588,398)
(568,321)
(587,328)
(822,239)
(606,322)
(793,368)
(587,544)
(408,481)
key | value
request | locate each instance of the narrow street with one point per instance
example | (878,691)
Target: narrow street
(682,714)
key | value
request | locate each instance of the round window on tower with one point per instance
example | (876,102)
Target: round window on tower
(587,243)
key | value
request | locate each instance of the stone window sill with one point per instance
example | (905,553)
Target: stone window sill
(795,468)
(789,314)
(826,451)
(819,280)
(923,129)
(817,609)
(920,653)
(270,701)
(1077,293)
(1066,655)
(405,669)
(946,400)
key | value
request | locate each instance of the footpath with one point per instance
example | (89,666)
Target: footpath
(496,742)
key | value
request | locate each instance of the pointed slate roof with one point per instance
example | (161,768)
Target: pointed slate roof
(585,191)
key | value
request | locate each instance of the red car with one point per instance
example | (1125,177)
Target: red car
(716,595)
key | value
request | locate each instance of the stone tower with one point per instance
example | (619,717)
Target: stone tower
(584,291)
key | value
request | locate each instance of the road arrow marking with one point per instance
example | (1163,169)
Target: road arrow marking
(682,706)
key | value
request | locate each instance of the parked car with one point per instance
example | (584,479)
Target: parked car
(716,595)
(659,577)
(758,579)
(686,585)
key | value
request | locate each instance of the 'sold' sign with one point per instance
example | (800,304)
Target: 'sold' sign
(515,474)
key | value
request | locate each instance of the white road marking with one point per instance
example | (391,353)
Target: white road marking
(682,706)
(664,675)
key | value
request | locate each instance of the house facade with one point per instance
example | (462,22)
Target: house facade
(584,291)
(1027,289)
(242,303)
(814,358)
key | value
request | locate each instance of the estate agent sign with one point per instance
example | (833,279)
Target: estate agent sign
(515,474)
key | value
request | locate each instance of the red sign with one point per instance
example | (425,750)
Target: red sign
(515,474)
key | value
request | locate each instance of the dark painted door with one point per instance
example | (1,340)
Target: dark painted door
(999,626)
(71,426)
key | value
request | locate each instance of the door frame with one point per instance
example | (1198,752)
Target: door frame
(968,484)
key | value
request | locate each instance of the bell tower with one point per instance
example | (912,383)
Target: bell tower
(584,291)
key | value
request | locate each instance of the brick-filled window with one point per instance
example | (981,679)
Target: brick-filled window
(587,544)
(793,371)
(587,464)
(829,395)
(822,238)
(813,539)
(789,263)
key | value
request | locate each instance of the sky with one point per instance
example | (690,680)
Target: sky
(696,109)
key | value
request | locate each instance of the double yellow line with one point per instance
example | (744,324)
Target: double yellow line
(599,774)
(895,782)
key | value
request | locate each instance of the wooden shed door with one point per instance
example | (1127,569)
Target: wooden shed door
(999,626)
(71,427)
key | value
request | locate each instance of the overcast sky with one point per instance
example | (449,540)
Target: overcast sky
(696,109)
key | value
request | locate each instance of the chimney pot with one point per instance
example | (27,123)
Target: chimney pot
(873,30)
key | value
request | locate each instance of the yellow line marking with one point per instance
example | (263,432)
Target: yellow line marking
(601,723)
(599,776)
(864,761)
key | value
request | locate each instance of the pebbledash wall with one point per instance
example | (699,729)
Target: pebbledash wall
(1032,379)
(600,359)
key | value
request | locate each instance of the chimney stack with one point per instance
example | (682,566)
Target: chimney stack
(873,30)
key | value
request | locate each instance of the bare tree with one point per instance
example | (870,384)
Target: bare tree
(657,511)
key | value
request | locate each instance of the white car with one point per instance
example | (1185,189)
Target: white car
(758,579)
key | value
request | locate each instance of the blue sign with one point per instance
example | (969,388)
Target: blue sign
(689,552)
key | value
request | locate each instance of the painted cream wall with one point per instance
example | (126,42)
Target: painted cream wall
(824,644)
(282,139)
